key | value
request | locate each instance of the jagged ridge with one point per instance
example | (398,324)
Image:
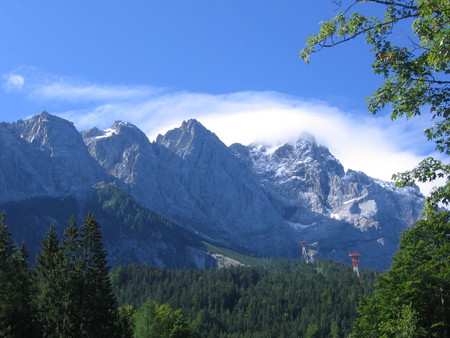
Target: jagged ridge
(250,198)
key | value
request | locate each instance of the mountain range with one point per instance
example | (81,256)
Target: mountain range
(167,202)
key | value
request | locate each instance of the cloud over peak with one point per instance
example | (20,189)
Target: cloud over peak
(360,141)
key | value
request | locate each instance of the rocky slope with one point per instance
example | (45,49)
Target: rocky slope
(44,156)
(253,199)
(343,211)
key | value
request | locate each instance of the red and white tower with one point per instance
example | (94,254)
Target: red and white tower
(355,260)
(305,256)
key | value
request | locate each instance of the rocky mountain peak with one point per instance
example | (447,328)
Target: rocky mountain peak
(291,160)
(49,158)
(119,147)
(48,133)
(126,131)
(187,140)
(93,132)
(126,128)
(193,124)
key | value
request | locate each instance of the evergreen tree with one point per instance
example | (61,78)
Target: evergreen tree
(283,299)
(72,274)
(51,286)
(98,304)
(71,288)
(6,267)
(16,315)
(28,323)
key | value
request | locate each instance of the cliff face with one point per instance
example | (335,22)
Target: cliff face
(254,199)
(44,156)
(344,211)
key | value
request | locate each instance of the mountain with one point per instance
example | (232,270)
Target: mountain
(225,191)
(44,156)
(255,199)
(343,211)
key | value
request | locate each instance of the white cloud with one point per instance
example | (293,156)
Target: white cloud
(80,92)
(361,142)
(43,86)
(375,145)
(13,82)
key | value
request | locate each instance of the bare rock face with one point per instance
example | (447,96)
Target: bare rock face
(45,156)
(344,211)
(237,210)
(255,199)
(126,153)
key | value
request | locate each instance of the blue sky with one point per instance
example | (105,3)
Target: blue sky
(232,64)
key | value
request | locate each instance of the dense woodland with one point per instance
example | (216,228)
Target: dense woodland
(283,299)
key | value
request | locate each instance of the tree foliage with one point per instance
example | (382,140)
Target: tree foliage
(97,302)
(428,170)
(16,305)
(161,321)
(412,298)
(68,294)
(51,286)
(74,293)
(415,67)
(125,321)
(283,299)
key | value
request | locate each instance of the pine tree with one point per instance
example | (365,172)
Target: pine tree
(29,324)
(50,285)
(72,271)
(16,314)
(74,291)
(98,304)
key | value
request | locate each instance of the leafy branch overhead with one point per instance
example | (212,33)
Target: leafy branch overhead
(428,170)
(415,65)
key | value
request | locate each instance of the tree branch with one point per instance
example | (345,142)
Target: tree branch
(431,81)
(365,30)
(392,3)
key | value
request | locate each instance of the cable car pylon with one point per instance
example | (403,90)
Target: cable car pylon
(355,261)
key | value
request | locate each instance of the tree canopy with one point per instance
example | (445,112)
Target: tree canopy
(158,321)
(16,307)
(412,298)
(415,67)
(280,299)
(67,294)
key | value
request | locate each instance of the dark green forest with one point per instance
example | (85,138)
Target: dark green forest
(283,299)
(68,292)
